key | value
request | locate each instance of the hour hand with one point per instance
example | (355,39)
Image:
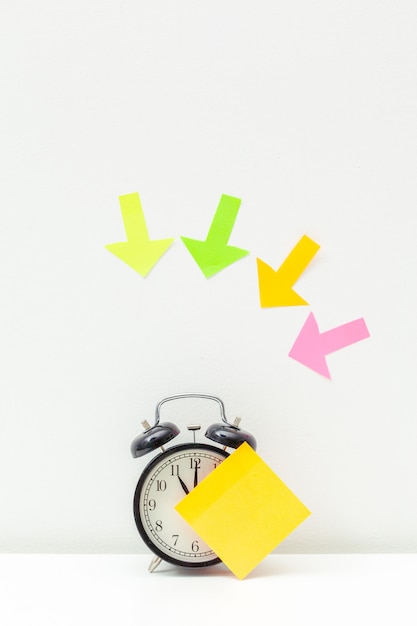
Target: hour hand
(183,485)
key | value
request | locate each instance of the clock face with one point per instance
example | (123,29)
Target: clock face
(165,481)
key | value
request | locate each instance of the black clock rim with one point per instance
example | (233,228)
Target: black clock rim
(136,511)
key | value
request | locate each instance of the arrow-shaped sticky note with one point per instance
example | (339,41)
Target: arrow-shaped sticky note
(276,287)
(311,346)
(139,252)
(213,254)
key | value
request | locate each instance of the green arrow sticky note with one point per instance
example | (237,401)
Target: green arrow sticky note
(139,251)
(213,254)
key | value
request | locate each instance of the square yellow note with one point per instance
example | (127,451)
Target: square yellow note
(242,510)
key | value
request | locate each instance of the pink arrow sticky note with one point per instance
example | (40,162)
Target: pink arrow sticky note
(311,347)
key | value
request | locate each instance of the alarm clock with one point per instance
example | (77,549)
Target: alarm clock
(172,474)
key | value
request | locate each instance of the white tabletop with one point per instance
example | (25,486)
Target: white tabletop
(288,590)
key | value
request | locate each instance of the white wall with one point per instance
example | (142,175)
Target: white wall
(306,111)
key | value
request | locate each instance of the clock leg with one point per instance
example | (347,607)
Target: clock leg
(154,564)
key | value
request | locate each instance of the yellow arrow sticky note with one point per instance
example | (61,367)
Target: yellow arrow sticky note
(242,510)
(276,287)
(139,251)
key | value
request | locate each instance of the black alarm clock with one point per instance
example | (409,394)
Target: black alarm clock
(172,474)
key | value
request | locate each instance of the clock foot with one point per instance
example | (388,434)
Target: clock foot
(154,564)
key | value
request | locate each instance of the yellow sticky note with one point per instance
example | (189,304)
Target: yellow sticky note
(242,510)
(276,287)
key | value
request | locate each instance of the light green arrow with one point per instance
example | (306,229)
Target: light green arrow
(139,252)
(213,254)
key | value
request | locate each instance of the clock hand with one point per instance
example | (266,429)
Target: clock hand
(183,485)
(195,476)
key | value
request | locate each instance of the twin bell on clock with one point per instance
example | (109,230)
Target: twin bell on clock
(172,475)
(156,436)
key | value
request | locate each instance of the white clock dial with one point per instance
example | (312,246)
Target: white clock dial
(164,482)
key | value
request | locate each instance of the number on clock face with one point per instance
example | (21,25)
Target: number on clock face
(164,482)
